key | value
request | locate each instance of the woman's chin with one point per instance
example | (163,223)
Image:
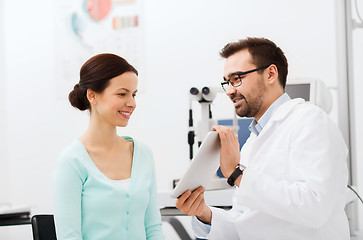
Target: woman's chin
(124,124)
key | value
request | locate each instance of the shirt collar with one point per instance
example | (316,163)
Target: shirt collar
(257,126)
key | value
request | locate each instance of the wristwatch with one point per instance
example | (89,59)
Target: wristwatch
(236,173)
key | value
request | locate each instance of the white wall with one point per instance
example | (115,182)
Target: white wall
(182,41)
(358,110)
(4,193)
(33,134)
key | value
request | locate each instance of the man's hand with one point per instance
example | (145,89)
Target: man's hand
(193,204)
(230,154)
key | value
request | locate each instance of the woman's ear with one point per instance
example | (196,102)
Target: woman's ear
(91,96)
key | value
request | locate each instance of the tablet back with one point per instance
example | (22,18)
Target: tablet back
(203,166)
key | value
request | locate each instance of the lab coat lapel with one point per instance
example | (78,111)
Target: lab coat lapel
(281,113)
(284,110)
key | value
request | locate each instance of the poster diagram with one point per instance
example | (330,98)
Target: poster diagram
(84,28)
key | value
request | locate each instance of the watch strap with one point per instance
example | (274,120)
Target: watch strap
(236,173)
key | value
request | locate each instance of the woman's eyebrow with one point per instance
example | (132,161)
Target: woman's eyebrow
(125,89)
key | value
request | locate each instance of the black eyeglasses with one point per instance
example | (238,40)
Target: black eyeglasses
(236,78)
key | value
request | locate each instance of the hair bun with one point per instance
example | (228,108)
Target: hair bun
(78,98)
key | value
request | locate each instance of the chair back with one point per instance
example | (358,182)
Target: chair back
(43,227)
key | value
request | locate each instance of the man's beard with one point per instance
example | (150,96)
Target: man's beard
(248,108)
(252,101)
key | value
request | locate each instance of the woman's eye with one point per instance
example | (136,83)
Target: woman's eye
(122,94)
(133,95)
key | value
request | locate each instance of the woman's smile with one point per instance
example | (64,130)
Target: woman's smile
(125,114)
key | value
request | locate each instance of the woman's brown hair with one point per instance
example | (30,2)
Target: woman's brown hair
(95,74)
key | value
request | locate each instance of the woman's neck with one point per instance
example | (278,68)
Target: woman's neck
(100,135)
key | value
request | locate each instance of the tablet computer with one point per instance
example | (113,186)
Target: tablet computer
(203,166)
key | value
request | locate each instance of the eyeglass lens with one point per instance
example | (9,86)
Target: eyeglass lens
(235,80)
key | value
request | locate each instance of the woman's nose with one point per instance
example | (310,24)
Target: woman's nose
(131,103)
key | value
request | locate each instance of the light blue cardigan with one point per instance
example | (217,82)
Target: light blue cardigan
(88,205)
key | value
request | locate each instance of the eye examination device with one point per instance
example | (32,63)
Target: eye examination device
(205,96)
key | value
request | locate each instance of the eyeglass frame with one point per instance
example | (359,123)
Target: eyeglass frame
(239,74)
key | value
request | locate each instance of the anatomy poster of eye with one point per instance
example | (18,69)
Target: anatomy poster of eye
(84,28)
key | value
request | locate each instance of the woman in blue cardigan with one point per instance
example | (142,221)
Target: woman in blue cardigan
(104,184)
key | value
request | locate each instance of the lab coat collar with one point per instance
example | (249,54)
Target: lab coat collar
(257,126)
(285,108)
(280,114)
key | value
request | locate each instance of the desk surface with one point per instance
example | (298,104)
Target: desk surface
(15,221)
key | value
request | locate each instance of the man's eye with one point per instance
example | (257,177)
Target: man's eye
(234,79)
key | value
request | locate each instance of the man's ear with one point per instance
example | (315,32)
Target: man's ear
(272,74)
(91,96)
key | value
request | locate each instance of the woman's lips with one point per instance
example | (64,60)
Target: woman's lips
(125,114)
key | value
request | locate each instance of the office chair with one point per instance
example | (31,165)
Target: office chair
(178,227)
(43,227)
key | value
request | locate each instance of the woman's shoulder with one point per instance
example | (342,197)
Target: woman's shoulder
(143,153)
(72,162)
(71,153)
(140,146)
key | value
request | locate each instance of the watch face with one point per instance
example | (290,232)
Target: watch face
(242,167)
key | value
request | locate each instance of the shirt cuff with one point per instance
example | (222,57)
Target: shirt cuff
(201,230)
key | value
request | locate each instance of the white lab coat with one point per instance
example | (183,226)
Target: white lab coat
(295,182)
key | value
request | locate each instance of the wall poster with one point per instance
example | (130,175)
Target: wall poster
(84,28)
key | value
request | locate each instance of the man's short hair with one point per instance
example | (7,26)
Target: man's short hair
(263,52)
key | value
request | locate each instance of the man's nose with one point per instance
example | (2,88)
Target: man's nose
(230,90)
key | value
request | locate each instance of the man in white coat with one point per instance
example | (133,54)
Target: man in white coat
(291,174)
